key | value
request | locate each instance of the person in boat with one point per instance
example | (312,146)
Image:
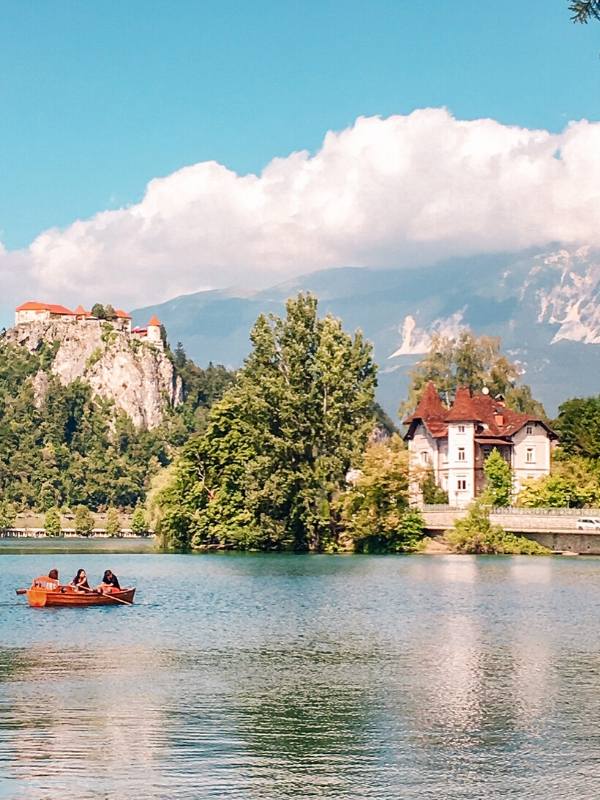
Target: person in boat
(110,582)
(49,582)
(80,581)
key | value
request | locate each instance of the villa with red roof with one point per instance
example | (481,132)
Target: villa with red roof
(33,311)
(454,442)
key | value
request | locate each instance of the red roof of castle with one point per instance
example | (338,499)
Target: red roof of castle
(495,423)
(33,305)
(154,320)
(122,314)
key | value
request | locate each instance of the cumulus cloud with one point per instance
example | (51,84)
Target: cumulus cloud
(400,191)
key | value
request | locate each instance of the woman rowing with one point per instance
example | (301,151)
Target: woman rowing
(80,581)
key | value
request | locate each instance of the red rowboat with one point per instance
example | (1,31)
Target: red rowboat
(67,596)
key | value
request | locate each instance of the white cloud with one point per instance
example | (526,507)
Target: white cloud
(400,191)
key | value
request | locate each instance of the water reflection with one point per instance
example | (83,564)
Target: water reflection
(276,677)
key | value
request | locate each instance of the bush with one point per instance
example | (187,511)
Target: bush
(476,534)
(84,521)
(52,522)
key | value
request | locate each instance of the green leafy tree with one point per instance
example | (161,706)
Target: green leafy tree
(374,511)
(473,361)
(578,426)
(280,441)
(498,480)
(139,524)
(84,521)
(109,313)
(98,311)
(7,514)
(584,10)
(474,533)
(52,522)
(432,493)
(113,522)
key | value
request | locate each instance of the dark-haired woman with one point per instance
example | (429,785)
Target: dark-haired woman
(80,581)
(110,582)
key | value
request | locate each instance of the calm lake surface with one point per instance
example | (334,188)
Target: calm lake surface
(255,677)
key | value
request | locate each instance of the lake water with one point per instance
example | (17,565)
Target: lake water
(273,677)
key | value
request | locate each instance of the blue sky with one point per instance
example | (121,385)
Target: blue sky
(98,98)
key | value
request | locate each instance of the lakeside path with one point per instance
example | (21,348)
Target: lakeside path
(285,676)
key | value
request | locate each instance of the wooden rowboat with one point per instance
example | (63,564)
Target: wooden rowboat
(66,596)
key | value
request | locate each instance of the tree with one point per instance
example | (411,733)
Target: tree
(139,525)
(432,493)
(7,514)
(52,522)
(498,480)
(84,521)
(113,522)
(280,441)
(578,426)
(584,10)
(475,534)
(473,361)
(374,511)
(98,311)
(109,313)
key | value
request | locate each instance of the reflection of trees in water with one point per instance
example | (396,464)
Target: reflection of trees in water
(76,715)
(300,723)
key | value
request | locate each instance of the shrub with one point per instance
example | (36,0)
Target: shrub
(476,534)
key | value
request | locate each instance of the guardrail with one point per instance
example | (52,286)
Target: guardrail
(519,510)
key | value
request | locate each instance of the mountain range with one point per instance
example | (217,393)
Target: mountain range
(543,305)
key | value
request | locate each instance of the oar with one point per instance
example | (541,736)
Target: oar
(106,594)
(21,591)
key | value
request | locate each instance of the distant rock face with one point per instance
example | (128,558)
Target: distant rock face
(136,375)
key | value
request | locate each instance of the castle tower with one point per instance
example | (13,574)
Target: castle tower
(153,328)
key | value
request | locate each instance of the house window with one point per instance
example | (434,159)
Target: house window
(529,430)
(461,428)
(424,457)
(461,484)
(461,454)
(530,456)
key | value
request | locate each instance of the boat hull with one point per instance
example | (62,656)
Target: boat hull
(67,597)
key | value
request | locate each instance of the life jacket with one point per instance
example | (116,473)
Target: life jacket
(44,582)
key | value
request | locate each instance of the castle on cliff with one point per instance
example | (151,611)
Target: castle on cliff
(32,311)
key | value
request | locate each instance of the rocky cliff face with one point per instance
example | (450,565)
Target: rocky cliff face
(136,375)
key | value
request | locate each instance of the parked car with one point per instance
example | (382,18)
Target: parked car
(588,523)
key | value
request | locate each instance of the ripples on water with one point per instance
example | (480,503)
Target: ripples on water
(275,677)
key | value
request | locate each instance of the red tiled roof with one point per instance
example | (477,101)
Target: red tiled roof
(429,406)
(495,422)
(122,314)
(154,320)
(463,409)
(32,305)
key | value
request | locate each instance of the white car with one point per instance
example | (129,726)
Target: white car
(588,523)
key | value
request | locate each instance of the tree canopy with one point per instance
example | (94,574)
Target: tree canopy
(473,361)
(280,441)
(584,10)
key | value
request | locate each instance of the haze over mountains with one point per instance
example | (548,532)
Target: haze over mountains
(543,304)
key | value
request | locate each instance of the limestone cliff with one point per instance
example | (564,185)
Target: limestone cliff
(136,375)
